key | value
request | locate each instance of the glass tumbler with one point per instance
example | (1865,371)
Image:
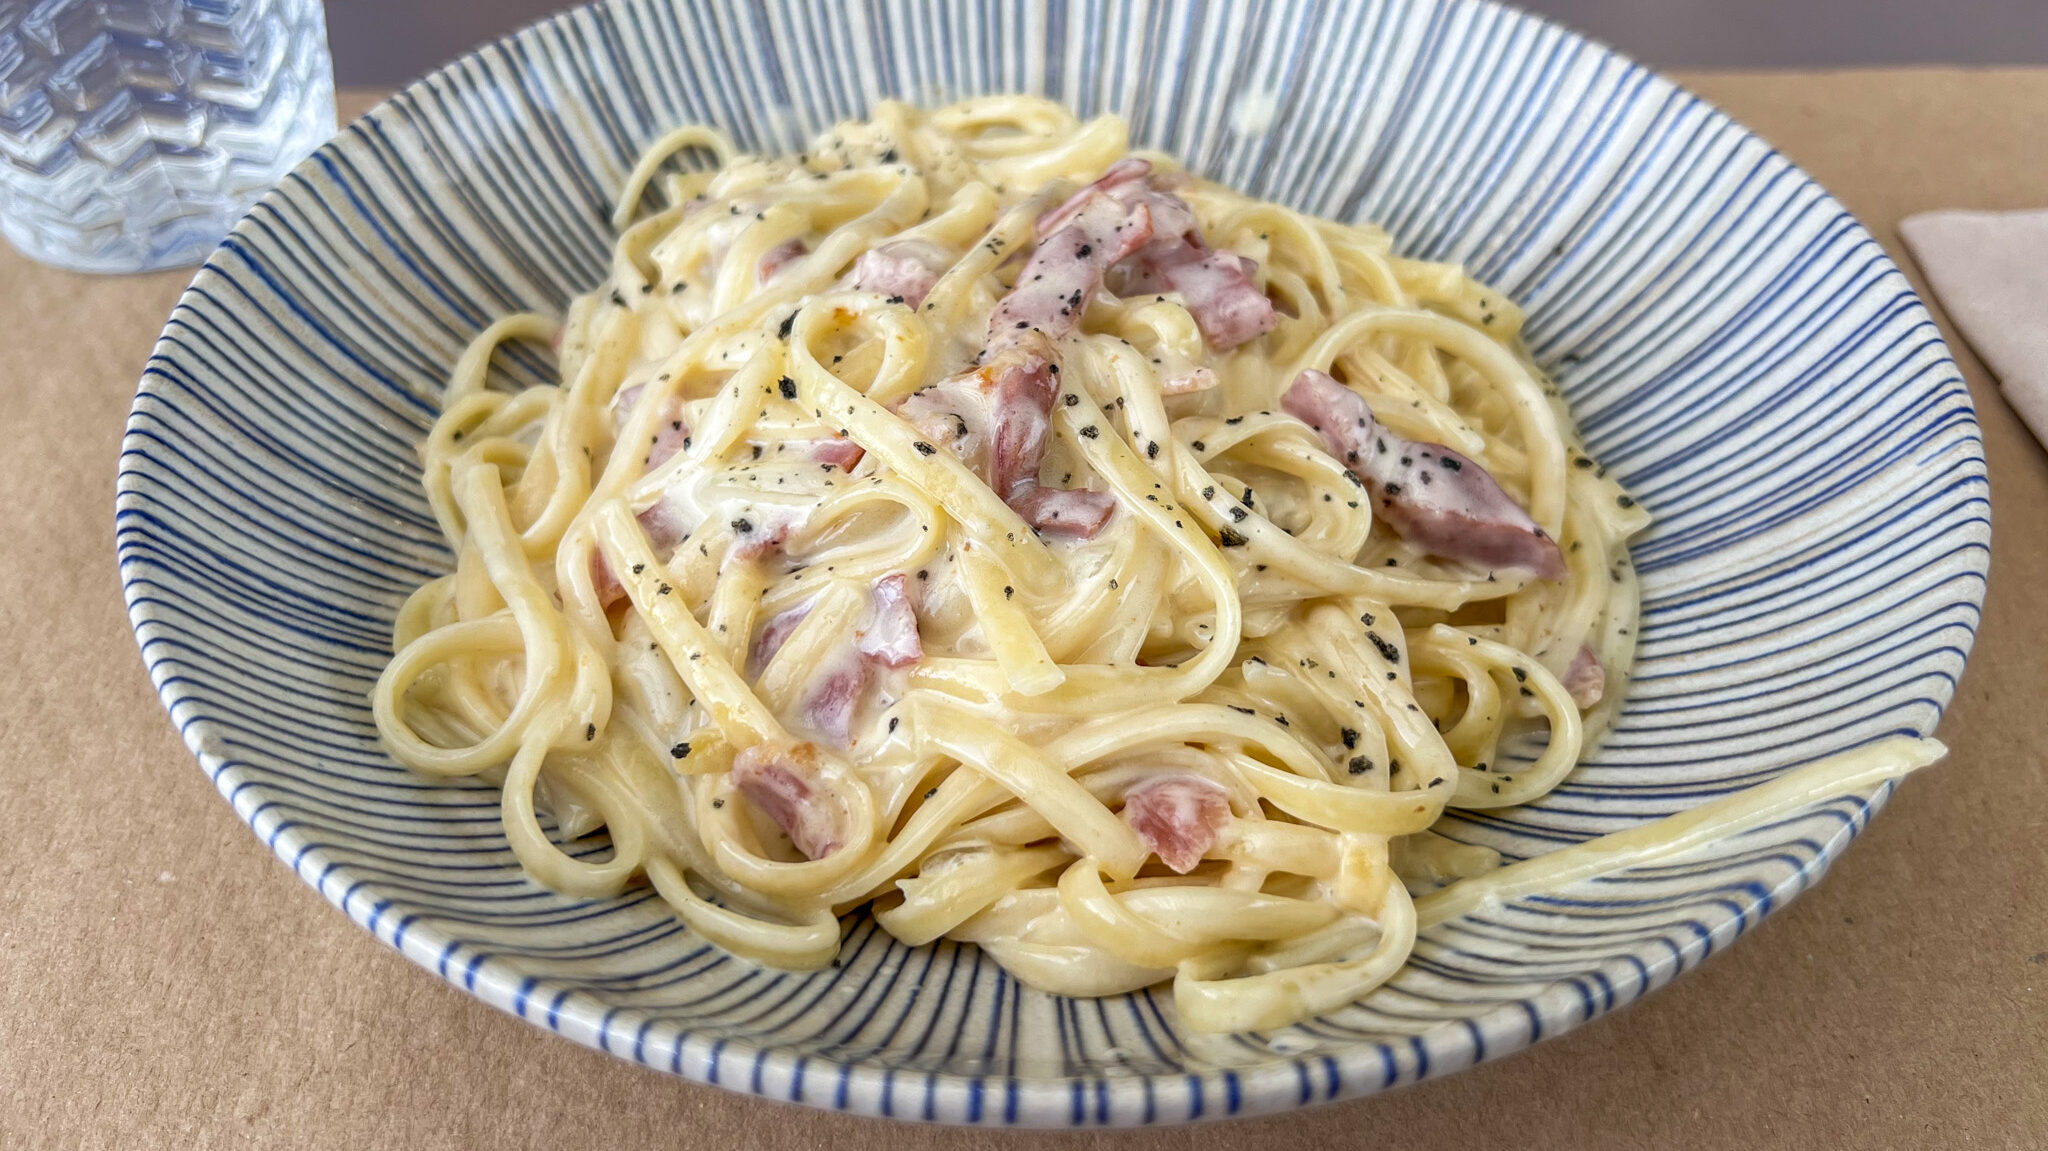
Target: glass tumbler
(134,133)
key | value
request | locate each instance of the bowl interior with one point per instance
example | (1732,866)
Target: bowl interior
(1733,344)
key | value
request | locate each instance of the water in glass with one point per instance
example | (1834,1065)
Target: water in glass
(134,133)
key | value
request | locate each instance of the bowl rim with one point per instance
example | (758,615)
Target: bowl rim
(955,1098)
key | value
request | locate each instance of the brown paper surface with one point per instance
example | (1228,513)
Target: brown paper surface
(165,982)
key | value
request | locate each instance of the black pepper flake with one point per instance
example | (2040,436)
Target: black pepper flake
(638,568)
(1527,692)
(1359,765)
(717,803)
(679,751)
(1281,720)
(932,792)
(1521,676)
(1209,493)
(1113,585)
(617,299)
(788,387)
(1387,651)
(1200,446)
(1391,489)
(1152,449)
(788,323)
(1234,420)
(1008,591)
(1437,782)
(457,436)
(924,449)
(589,732)
(1245,710)
(1349,736)
(1238,513)
(893,720)
(664,589)
(1084,249)
(1090,432)
(923,573)
(1072,399)
(743,525)
(1582,462)
(1231,539)
(1625,501)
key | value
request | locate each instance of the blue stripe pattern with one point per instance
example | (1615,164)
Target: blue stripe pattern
(1736,347)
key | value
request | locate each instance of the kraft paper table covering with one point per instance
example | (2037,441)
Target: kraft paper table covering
(164,981)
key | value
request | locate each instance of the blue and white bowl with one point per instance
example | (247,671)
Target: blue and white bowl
(1736,347)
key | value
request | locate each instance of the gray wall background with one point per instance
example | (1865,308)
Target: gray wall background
(387,42)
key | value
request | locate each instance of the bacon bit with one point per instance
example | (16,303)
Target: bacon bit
(1066,268)
(665,525)
(1585,679)
(781,256)
(670,437)
(764,539)
(605,582)
(833,695)
(891,637)
(1124,180)
(954,412)
(761,531)
(996,419)
(1020,402)
(906,268)
(1077,513)
(622,405)
(839,451)
(1178,816)
(787,787)
(773,635)
(671,433)
(1217,287)
(1438,500)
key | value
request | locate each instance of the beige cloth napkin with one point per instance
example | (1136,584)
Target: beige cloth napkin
(1990,271)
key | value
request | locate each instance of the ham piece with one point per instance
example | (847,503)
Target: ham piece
(1440,501)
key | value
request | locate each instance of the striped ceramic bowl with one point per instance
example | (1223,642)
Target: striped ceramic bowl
(1736,347)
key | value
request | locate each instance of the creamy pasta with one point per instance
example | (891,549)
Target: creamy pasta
(970,519)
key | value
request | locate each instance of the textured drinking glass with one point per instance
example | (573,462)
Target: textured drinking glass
(134,133)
